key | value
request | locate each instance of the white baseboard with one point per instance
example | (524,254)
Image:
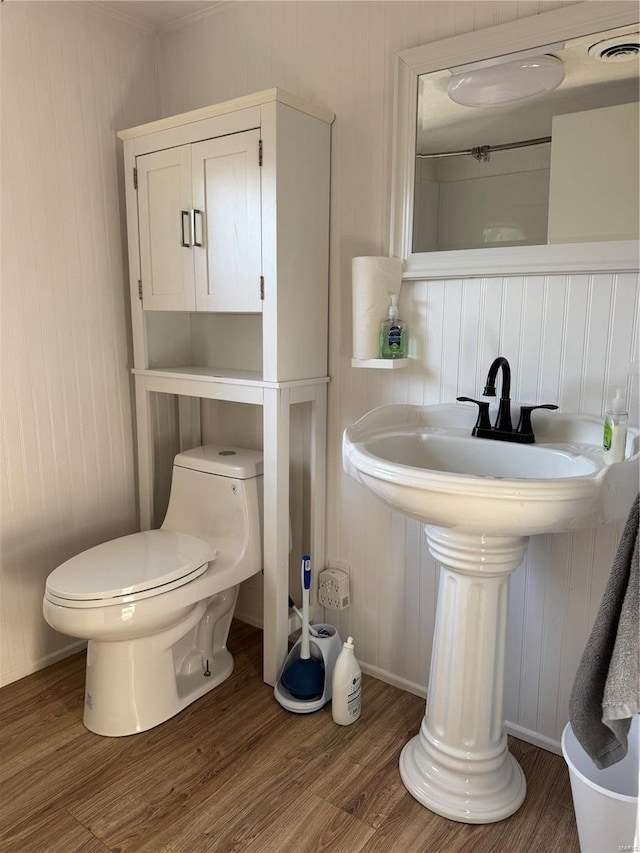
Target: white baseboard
(394,680)
(36,665)
(249,619)
(513,729)
(536,739)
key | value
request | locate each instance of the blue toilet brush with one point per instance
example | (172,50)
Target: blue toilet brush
(304,676)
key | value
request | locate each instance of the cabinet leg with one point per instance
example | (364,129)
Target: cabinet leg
(145,456)
(276,417)
(318,477)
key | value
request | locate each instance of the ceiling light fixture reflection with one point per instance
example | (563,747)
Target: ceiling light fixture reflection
(517,80)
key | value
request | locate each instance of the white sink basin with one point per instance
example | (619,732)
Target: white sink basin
(423,461)
(480,500)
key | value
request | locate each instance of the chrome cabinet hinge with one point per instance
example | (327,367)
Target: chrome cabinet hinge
(135,178)
(259,152)
(261,287)
(139,290)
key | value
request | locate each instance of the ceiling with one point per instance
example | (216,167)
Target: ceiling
(157,14)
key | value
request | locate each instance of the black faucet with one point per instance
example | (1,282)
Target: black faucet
(502,430)
(503,421)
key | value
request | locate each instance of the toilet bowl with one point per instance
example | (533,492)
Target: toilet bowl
(156,607)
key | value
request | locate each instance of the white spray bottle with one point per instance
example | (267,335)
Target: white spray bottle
(347,686)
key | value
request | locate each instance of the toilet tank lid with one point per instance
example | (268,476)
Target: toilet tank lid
(222,459)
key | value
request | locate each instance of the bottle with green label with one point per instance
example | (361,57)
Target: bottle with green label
(393,334)
(615,429)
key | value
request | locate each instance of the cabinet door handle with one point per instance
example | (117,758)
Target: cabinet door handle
(195,232)
(183,243)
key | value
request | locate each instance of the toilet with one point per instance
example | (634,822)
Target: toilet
(156,607)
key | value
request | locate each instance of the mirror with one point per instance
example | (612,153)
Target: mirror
(483,171)
(553,170)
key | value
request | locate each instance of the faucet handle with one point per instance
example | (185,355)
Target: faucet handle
(524,424)
(483,421)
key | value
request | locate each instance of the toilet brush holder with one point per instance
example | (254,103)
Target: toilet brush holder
(326,648)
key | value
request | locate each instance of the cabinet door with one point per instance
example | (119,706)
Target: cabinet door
(227,229)
(165,222)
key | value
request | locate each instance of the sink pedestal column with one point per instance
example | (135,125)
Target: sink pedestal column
(459,766)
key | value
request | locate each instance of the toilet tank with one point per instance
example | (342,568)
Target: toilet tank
(216,495)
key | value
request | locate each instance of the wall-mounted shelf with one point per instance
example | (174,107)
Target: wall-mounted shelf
(383,363)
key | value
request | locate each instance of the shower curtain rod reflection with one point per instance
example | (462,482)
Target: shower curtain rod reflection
(482,152)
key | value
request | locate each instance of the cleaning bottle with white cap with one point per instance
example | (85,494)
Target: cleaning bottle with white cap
(616,420)
(347,687)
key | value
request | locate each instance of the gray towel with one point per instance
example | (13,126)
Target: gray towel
(606,690)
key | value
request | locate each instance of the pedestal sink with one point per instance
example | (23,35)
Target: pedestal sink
(480,500)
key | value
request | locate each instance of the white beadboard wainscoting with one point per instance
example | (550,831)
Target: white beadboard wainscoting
(71,77)
(66,405)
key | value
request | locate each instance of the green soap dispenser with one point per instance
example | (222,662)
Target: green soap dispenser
(393,334)
(615,429)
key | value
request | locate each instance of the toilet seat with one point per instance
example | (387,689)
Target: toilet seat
(129,569)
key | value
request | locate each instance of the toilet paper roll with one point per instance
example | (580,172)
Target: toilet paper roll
(373,281)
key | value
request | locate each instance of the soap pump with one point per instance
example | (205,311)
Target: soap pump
(615,429)
(393,335)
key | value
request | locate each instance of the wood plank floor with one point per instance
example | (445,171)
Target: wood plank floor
(235,772)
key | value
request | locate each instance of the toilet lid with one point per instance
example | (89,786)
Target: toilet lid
(130,565)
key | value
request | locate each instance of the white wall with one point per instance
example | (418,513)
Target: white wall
(566,337)
(70,78)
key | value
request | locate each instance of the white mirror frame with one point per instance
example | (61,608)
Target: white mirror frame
(559,25)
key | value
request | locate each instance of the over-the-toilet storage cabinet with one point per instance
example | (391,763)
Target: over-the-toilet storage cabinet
(228,231)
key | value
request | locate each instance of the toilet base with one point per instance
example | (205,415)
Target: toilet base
(134,685)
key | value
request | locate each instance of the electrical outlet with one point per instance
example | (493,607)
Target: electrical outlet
(333,589)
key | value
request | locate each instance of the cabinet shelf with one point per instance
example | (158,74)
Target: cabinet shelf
(205,374)
(241,386)
(224,376)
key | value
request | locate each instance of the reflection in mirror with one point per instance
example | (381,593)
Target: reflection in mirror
(530,148)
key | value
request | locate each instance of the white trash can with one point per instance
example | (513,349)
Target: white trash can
(605,801)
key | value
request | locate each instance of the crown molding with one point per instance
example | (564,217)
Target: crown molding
(116,15)
(133,20)
(193,17)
